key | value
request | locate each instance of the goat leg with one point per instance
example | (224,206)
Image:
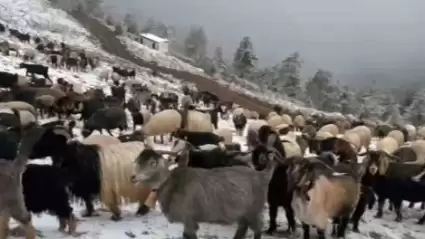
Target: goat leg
(62,224)
(342,226)
(190,229)
(397,209)
(381,202)
(306,231)
(272,217)
(109,132)
(89,208)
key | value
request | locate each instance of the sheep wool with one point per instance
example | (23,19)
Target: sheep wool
(365,135)
(19,105)
(330,128)
(101,140)
(226,134)
(418,147)
(286,119)
(387,145)
(322,135)
(117,165)
(411,131)
(353,139)
(271,114)
(327,198)
(275,121)
(299,121)
(289,143)
(168,121)
(398,136)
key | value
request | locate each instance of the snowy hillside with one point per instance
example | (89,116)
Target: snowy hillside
(147,54)
(36,17)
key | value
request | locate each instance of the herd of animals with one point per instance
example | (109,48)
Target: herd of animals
(205,177)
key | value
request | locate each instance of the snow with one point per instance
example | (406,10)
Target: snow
(153,37)
(35,16)
(162,59)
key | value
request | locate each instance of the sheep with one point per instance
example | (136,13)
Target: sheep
(104,75)
(365,135)
(29,54)
(45,189)
(11,80)
(239,120)
(354,140)
(420,134)
(115,76)
(411,132)
(168,121)
(223,195)
(226,134)
(299,122)
(9,118)
(12,204)
(36,69)
(292,148)
(319,195)
(45,104)
(104,171)
(100,140)
(286,119)
(107,118)
(332,129)
(15,47)
(19,105)
(275,120)
(398,136)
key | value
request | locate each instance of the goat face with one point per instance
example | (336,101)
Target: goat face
(150,169)
(301,175)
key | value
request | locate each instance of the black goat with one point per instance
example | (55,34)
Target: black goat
(278,192)
(198,138)
(2,28)
(36,69)
(107,118)
(45,190)
(10,80)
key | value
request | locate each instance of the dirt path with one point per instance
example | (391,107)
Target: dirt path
(112,44)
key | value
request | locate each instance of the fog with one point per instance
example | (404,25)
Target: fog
(359,40)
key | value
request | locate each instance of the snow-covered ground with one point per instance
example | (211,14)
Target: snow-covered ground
(35,16)
(148,54)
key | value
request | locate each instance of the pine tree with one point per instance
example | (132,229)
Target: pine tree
(118,29)
(416,111)
(244,59)
(131,24)
(196,43)
(218,61)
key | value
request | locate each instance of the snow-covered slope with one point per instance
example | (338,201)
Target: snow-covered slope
(38,18)
(162,59)
(54,24)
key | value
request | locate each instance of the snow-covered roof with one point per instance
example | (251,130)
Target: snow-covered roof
(153,37)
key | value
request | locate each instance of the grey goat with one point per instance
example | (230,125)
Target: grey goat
(194,195)
(12,203)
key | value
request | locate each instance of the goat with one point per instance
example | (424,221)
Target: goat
(36,69)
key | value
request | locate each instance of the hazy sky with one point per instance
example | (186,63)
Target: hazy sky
(344,36)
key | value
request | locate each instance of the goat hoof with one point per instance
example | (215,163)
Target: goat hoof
(420,222)
(116,218)
(91,214)
(398,219)
(269,231)
(143,210)
(379,215)
(77,234)
(356,230)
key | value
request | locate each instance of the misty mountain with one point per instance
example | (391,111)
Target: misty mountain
(359,41)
